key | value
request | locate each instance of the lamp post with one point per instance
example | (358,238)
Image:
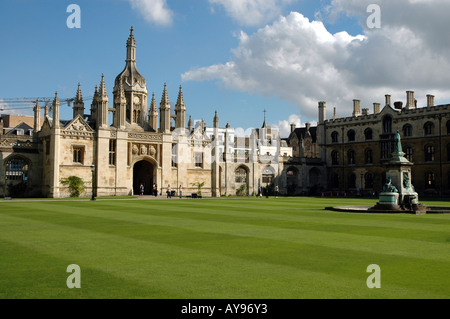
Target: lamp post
(93,182)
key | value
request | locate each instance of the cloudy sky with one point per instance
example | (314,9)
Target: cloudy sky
(239,57)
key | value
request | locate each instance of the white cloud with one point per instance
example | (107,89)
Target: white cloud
(252,12)
(284,127)
(154,11)
(300,61)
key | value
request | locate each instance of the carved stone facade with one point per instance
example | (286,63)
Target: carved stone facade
(140,146)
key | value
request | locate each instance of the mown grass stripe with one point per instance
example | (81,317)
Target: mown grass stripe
(186,272)
(359,242)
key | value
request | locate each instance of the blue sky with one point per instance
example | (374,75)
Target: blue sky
(237,57)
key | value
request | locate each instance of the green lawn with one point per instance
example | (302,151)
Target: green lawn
(288,248)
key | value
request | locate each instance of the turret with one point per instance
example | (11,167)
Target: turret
(216,121)
(164,108)
(180,111)
(37,117)
(120,104)
(78,105)
(153,116)
(102,105)
(56,123)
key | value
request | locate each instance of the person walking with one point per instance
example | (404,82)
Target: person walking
(141,190)
(276,191)
(181,191)
(169,191)
(259,191)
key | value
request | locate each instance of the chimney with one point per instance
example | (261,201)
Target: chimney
(308,126)
(356,108)
(365,111)
(334,114)
(292,128)
(376,108)
(388,100)
(322,112)
(430,100)
(410,101)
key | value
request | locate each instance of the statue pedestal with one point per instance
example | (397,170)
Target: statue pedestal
(388,201)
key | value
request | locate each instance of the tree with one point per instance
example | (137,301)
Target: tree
(199,186)
(75,184)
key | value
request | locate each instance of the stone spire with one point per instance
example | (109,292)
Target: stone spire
(153,115)
(102,91)
(102,104)
(78,105)
(120,102)
(180,111)
(56,123)
(164,107)
(131,47)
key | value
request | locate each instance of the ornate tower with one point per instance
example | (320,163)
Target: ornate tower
(134,85)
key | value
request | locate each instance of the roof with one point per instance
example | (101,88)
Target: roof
(301,133)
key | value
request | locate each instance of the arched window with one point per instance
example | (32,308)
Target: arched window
(428,128)
(407,130)
(409,153)
(335,158)
(430,180)
(429,153)
(351,157)
(387,124)
(16,169)
(369,156)
(368,134)
(335,137)
(241,175)
(351,135)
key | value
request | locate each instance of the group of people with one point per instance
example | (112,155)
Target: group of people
(155,190)
(260,191)
(170,193)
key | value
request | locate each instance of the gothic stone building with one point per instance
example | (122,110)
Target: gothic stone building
(140,146)
(356,149)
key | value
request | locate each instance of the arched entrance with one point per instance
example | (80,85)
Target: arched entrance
(292,181)
(143,173)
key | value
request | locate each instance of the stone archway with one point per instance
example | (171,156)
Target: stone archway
(143,173)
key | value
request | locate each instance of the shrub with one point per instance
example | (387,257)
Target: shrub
(75,184)
(242,191)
